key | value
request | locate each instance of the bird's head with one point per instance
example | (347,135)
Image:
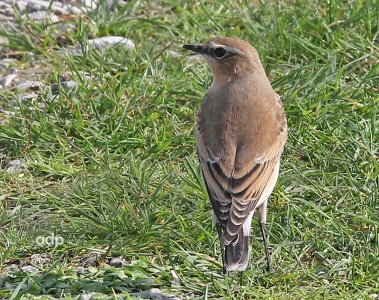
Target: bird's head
(229,57)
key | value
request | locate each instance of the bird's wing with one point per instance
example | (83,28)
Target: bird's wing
(236,176)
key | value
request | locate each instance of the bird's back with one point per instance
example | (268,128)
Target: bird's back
(240,134)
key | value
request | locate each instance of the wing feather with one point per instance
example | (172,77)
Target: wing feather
(236,175)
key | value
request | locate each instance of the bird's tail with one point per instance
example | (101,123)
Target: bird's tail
(236,254)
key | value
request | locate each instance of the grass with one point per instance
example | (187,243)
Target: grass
(112,169)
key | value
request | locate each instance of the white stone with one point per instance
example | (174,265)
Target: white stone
(106,42)
(6,81)
(116,262)
(29,269)
(30,84)
(10,26)
(25,97)
(87,296)
(41,5)
(67,85)
(19,6)
(14,166)
(42,16)
(173,53)
(6,9)
(33,6)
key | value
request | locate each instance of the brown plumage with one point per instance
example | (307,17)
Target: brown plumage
(240,134)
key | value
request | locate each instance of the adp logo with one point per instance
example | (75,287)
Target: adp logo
(50,240)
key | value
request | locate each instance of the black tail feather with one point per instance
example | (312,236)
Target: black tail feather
(236,255)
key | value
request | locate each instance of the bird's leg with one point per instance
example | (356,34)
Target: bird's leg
(263,231)
(241,277)
(221,239)
(262,215)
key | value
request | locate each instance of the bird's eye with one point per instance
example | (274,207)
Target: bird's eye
(219,52)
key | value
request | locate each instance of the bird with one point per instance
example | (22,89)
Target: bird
(240,133)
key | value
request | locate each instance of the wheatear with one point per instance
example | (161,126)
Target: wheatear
(240,134)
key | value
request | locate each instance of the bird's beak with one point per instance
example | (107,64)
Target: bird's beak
(195,48)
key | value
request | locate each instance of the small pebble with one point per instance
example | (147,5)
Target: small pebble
(13,70)
(42,260)
(25,97)
(30,84)
(175,277)
(157,294)
(14,166)
(106,42)
(6,81)
(6,10)
(29,269)
(10,26)
(67,85)
(87,296)
(4,18)
(109,4)
(11,269)
(116,262)
(194,57)
(42,16)
(63,28)
(7,61)
(18,6)
(3,39)
(33,6)
(41,5)
(90,260)
(173,53)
